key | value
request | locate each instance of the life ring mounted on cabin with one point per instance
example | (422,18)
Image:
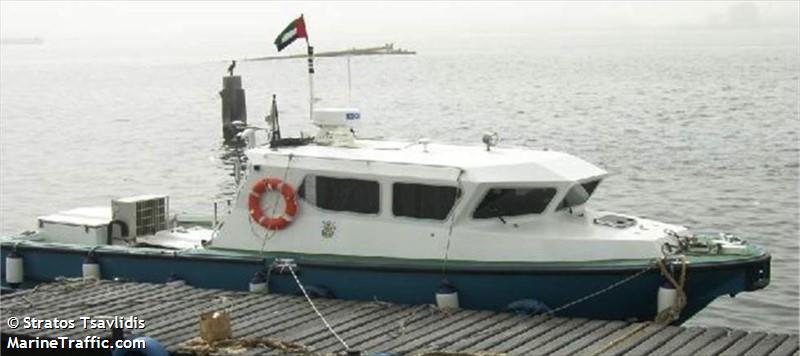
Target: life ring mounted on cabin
(290,205)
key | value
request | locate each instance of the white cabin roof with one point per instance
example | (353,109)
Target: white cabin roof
(478,164)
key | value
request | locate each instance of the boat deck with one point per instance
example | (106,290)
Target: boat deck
(279,324)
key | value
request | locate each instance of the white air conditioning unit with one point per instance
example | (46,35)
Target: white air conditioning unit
(143,215)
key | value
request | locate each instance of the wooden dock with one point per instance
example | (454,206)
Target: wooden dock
(279,324)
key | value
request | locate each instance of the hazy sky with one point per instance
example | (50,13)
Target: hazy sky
(211,30)
(134,20)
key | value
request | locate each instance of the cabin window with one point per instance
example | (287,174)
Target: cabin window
(341,194)
(423,201)
(578,194)
(501,202)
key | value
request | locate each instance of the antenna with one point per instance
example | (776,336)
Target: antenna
(274,123)
(349,83)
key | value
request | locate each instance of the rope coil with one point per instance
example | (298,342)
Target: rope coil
(672,313)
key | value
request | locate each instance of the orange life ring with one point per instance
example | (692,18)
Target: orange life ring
(262,186)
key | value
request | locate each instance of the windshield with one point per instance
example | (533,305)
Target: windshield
(500,202)
(578,194)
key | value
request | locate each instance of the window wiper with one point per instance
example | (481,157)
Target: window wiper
(494,209)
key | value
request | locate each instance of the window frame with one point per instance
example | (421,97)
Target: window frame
(447,217)
(381,194)
(480,194)
(598,180)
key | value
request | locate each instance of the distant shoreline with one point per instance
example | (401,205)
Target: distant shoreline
(21,41)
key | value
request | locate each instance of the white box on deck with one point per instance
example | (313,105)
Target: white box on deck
(85,226)
(143,214)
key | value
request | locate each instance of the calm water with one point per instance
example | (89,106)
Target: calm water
(697,129)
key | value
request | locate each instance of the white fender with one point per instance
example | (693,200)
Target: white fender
(14,271)
(447,296)
(90,268)
(667,296)
(258,284)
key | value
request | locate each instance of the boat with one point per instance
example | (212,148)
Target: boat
(471,226)
(386,49)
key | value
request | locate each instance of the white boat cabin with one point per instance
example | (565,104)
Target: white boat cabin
(413,200)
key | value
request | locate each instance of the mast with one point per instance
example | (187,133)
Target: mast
(310,80)
(275,126)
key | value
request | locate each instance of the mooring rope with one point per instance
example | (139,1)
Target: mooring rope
(200,347)
(322,317)
(460,193)
(604,290)
(620,339)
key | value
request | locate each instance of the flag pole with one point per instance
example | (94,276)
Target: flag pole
(310,80)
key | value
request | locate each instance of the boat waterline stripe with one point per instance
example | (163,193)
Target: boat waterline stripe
(366,263)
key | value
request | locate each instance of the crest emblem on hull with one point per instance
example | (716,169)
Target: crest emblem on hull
(328,229)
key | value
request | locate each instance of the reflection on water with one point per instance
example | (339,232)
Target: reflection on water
(704,136)
(229,153)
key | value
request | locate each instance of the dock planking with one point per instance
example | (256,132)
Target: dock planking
(171,314)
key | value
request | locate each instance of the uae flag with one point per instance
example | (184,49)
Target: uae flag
(295,30)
